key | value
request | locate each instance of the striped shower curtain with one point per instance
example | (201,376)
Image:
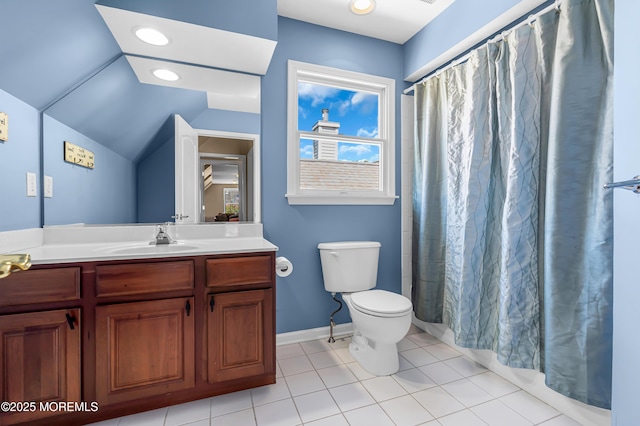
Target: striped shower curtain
(512,229)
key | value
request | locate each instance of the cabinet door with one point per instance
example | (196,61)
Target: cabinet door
(240,335)
(144,349)
(39,361)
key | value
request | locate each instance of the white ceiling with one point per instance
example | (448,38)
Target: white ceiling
(194,50)
(190,53)
(392,20)
(225,89)
(190,43)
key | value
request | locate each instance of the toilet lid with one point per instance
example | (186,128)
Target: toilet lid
(380,303)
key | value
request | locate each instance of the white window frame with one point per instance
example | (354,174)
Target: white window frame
(355,81)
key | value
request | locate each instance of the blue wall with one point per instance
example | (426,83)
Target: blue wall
(114,109)
(43,54)
(453,25)
(105,194)
(626,316)
(19,155)
(156,187)
(227,121)
(302,303)
(156,168)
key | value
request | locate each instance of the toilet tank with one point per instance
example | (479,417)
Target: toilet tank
(349,266)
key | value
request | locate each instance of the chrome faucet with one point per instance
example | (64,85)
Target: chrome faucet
(162,237)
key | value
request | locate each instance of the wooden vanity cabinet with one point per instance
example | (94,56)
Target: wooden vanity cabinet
(238,335)
(240,319)
(144,277)
(39,351)
(228,273)
(155,332)
(144,349)
(40,286)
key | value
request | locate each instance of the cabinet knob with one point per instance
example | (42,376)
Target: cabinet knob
(211,303)
(187,307)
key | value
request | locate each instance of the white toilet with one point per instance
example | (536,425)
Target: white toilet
(380,318)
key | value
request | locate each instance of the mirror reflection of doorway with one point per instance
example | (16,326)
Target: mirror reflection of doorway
(227,163)
(223,188)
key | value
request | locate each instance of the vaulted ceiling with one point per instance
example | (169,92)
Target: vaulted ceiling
(77,61)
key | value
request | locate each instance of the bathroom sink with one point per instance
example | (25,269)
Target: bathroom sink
(146,248)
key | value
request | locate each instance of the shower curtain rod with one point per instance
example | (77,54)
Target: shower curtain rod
(529,21)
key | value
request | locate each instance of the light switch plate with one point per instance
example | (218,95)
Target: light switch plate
(48,187)
(32,188)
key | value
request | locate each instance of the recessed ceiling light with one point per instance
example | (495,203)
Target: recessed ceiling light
(165,74)
(362,7)
(151,36)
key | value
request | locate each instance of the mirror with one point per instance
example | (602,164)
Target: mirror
(223,190)
(83,90)
(225,194)
(230,180)
(117,189)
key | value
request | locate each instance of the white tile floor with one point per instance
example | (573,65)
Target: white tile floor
(320,384)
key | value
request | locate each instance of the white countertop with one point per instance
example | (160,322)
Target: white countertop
(64,253)
(83,244)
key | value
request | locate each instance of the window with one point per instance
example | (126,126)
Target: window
(341,137)
(231,201)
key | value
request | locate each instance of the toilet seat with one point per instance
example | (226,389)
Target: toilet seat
(380,303)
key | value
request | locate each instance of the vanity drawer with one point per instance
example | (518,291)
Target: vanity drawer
(40,286)
(243,270)
(139,278)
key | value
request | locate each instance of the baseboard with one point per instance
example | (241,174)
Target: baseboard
(313,334)
(529,380)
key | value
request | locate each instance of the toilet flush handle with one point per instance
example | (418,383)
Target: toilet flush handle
(334,253)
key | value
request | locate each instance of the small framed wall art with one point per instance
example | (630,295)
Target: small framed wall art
(4,126)
(78,155)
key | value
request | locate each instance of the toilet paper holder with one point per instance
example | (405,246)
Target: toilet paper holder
(284,267)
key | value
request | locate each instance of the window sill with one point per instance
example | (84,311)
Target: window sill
(382,200)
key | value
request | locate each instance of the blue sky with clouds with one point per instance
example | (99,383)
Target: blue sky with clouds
(357,113)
